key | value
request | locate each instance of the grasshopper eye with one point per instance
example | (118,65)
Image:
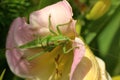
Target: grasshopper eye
(99,9)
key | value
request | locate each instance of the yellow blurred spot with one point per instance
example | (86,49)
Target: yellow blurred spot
(116,78)
(78,26)
(99,9)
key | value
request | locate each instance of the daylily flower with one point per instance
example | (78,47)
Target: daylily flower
(54,65)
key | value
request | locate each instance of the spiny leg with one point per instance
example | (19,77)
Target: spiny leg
(58,26)
(69,50)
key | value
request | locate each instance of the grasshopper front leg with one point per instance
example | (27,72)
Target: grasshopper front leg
(65,51)
(58,29)
(58,26)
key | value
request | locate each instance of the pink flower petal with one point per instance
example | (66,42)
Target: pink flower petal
(18,34)
(82,69)
(78,54)
(60,12)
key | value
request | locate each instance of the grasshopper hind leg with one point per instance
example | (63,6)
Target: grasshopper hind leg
(65,51)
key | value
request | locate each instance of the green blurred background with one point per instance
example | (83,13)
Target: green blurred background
(102,35)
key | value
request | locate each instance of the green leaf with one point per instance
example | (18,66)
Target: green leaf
(1,77)
(109,43)
(107,35)
(44,3)
(103,34)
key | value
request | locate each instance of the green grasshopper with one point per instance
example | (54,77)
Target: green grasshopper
(49,42)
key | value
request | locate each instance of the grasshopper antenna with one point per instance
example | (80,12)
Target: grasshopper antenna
(50,26)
